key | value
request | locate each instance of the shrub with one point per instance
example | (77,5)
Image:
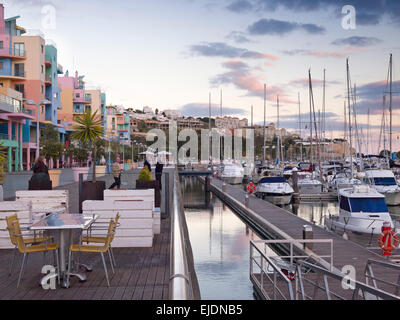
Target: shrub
(145,175)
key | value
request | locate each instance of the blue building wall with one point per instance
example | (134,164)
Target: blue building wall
(6,71)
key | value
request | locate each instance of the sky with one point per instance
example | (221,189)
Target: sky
(172,54)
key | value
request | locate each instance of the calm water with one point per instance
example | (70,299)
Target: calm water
(220,243)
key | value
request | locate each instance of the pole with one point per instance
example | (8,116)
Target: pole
(265,110)
(301,140)
(252,116)
(348,100)
(390,103)
(37,132)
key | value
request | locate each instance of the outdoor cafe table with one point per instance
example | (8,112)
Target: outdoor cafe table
(65,223)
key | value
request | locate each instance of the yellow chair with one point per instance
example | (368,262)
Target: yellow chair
(15,232)
(27,240)
(102,239)
(86,248)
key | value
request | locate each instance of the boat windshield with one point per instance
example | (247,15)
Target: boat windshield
(385,181)
(368,205)
(272,180)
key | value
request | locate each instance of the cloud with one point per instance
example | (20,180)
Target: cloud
(201,109)
(220,49)
(315,82)
(357,41)
(240,6)
(316,53)
(242,77)
(280,27)
(238,37)
(369,12)
(370,97)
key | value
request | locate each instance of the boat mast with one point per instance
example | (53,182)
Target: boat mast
(390,102)
(265,109)
(301,139)
(278,151)
(348,99)
(356,125)
(315,124)
(311,130)
(323,129)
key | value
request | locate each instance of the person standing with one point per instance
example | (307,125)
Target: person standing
(159,169)
(146,163)
(40,167)
(116,171)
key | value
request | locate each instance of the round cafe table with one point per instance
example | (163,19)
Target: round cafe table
(65,224)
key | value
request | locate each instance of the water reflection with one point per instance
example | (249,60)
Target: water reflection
(220,243)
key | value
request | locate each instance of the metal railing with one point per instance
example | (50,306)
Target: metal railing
(298,279)
(180,287)
(370,274)
(355,288)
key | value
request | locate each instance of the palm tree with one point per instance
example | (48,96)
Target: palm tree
(88,130)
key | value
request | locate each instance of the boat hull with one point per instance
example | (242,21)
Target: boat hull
(276,199)
(392,198)
(310,188)
(359,223)
(232,180)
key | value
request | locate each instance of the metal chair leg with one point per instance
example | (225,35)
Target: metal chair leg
(111,262)
(58,267)
(69,265)
(105,268)
(112,255)
(12,261)
(24,260)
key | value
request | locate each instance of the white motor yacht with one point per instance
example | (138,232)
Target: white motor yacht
(232,174)
(275,190)
(384,182)
(343,180)
(308,185)
(362,210)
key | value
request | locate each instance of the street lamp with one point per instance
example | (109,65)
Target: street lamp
(44,102)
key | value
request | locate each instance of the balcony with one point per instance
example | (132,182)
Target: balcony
(12,53)
(8,104)
(48,80)
(19,74)
(4,136)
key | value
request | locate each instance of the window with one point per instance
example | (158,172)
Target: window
(1,85)
(42,48)
(368,205)
(78,95)
(19,49)
(42,68)
(387,181)
(344,204)
(19,88)
(1,65)
(1,44)
(42,89)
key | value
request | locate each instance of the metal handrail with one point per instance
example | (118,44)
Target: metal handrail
(266,262)
(369,274)
(179,284)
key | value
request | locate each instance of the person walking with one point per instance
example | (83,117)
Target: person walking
(159,169)
(116,171)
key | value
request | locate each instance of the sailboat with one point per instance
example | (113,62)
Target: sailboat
(362,209)
(345,179)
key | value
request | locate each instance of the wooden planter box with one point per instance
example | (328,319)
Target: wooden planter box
(154,184)
(91,191)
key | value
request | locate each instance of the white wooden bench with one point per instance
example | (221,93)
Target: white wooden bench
(135,225)
(137,195)
(7,208)
(49,201)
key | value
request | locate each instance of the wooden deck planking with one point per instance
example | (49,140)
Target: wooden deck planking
(344,252)
(139,274)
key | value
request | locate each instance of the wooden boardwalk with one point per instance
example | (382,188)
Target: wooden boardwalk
(344,252)
(141,274)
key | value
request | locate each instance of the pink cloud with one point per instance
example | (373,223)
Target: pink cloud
(327,54)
